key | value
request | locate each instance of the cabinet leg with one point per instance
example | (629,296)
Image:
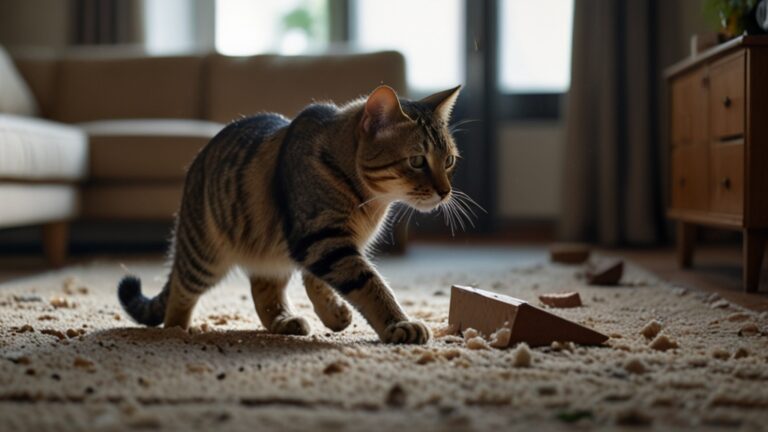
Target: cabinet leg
(753,251)
(55,242)
(686,236)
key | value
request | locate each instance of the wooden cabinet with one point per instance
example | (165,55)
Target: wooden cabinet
(719,147)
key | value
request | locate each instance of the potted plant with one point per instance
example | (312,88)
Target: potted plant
(733,17)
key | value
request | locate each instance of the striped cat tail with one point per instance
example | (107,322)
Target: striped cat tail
(143,310)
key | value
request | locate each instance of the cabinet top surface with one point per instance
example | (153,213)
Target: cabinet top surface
(714,52)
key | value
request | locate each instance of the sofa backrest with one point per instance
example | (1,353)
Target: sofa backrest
(211,87)
(239,86)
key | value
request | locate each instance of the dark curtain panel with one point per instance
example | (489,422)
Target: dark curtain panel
(104,22)
(612,175)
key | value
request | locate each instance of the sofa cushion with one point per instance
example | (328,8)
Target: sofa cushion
(30,204)
(15,95)
(34,149)
(143,150)
(122,88)
(239,86)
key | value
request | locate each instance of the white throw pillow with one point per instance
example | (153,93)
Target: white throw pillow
(15,95)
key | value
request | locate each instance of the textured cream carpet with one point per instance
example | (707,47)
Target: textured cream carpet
(72,361)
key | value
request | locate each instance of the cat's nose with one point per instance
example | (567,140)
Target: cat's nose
(443,192)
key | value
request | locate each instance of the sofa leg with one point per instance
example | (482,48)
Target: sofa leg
(56,242)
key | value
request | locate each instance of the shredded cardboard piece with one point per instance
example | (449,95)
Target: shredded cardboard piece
(651,329)
(522,356)
(561,300)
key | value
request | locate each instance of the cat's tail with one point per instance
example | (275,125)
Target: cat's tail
(143,310)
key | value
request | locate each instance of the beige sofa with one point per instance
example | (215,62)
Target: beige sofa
(113,134)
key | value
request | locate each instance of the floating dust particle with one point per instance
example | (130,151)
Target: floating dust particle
(635,366)
(476,343)
(53,332)
(663,343)
(651,329)
(522,356)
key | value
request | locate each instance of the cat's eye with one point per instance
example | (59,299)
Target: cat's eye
(450,160)
(417,162)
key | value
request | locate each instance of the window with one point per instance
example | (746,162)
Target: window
(246,27)
(535,46)
(429,33)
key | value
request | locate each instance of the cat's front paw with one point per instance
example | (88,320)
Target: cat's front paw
(406,332)
(292,325)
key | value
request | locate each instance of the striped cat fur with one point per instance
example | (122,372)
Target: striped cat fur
(274,196)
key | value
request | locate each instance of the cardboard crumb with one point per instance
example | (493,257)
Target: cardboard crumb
(52,332)
(738,316)
(663,343)
(470,333)
(450,354)
(522,356)
(396,397)
(633,417)
(447,330)
(476,343)
(561,300)
(61,303)
(720,354)
(720,304)
(29,298)
(741,353)
(198,368)
(652,329)
(335,367)
(635,366)
(501,337)
(116,317)
(749,329)
(72,333)
(427,357)
(563,346)
(47,318)
(25,329)
(82,362)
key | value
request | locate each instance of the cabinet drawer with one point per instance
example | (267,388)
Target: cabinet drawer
(726,102)
(690,178)
(727,179)
(689,108)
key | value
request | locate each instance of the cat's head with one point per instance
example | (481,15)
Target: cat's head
(407,152)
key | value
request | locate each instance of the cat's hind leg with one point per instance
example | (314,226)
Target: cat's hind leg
(332,310)
(274,308)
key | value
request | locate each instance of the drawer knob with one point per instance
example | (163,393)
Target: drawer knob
(727,102)
(725,183)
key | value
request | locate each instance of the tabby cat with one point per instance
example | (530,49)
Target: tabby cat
(272,196)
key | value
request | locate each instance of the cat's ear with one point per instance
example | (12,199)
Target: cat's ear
(382,109)
(442,102)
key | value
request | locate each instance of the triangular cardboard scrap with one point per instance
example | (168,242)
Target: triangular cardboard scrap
(487,312)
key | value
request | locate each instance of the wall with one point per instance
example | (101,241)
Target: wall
(34,23)
(529,161)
